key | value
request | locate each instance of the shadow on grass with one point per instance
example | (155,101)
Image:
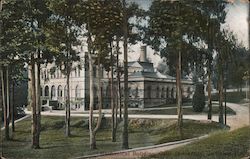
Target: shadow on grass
(51,147)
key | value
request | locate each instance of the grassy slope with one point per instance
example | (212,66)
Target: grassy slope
(186,111)
(55,145)
(222,145)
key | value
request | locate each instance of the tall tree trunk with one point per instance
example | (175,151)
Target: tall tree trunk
(13,107)
(68,67)
(4,75)
(178,80)
(113,133)
(221,78)
(33,104)
(119,101)
(67,117)
(179,94)
(92,141)
(209,89)
(38,101)
(100,103)
(125,144)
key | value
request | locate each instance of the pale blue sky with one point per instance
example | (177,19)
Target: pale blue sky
(236,21)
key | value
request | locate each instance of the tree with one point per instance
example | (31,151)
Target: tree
(94,15)
(169,23)
(227,43)
(170,32)
(199,98)
(63,33)
(24,38)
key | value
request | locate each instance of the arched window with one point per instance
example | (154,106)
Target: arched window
(77,92)
(53,91)
(167,93)
(162,92)
(59,91)
(172,93)
(46,91)
(157,92)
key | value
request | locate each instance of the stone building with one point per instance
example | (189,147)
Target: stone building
(147,86)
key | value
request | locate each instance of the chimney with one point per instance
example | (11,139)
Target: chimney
(143,55)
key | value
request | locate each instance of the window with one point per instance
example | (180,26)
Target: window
(157,92)
(162,92)
(167,93)
(46,91)
(77,92)
(172,93)
(53,91)
(59,91)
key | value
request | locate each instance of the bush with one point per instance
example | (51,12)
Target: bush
(199,98)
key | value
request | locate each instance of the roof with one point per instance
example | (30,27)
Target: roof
(144,65)
(151,75)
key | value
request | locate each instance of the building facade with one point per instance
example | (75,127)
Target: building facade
(147,86)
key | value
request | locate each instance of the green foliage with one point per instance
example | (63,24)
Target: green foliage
(172,24)
(199,98)
(62,34)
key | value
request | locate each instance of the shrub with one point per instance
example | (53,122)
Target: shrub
(199,98)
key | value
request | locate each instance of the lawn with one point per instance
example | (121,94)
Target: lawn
(186,111)
(143,132)
(222,145)
(232,97)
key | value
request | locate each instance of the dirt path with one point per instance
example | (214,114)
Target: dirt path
(241,119)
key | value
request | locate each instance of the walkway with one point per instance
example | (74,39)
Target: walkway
(234,121)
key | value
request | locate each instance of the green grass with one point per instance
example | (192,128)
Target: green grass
(186,111)
(232,97)
(143,132)
(222,145)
